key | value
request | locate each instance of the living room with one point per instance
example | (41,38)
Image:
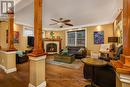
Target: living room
(62,44)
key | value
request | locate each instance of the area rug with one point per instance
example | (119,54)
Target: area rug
(75,65)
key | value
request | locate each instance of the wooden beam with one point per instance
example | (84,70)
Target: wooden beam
(126,31)
(38,43)
(123,66)
(11,33)
(126,28)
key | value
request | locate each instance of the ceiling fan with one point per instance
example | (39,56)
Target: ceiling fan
(61,22)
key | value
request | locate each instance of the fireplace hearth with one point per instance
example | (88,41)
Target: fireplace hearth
(51,47)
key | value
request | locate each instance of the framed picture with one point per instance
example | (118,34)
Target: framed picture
(16,36)
(99,37)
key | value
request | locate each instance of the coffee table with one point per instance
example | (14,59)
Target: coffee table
(93,62)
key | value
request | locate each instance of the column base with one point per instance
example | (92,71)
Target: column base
(37,71)
(8,61)
(8,70)
(43,84)
(37,55)
(122,80)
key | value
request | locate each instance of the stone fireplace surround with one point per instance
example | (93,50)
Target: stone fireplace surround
(52,41)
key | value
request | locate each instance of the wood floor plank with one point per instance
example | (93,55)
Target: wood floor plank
(56,76)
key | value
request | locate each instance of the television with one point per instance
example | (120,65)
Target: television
(30,41)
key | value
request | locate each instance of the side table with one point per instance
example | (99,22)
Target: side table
(94,63)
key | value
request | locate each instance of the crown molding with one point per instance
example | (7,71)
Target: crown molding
(69,28)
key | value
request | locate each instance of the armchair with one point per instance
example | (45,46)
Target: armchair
(81,53)
(113,56)
(105,76)
(105,51)
(105,48)
(21,57)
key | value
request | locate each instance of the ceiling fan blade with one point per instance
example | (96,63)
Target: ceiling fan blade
(53,24)
(55,20)
(66,20)
(69,24)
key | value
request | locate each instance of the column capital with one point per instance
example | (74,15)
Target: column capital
(37,58)
(11,15)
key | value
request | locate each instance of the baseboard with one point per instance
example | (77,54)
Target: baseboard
(8,70)
(2,67)
(43,84)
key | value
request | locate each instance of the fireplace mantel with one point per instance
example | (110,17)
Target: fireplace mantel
(49,39)
(56,41)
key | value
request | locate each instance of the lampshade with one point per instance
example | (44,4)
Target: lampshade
(113,39)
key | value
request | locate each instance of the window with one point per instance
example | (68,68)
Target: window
(28,31)
(71,38)
(81,38)
(76,38)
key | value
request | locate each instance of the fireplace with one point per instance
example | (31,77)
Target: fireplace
(51,47)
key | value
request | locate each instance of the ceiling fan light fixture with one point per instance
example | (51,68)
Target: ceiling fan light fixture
(60,24)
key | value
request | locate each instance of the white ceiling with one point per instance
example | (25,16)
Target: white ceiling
(81,12)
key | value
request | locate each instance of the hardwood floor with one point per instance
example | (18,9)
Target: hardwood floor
(16,79)
(56,76)
(63,77)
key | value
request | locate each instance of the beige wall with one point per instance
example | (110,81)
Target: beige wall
(22,45)
(108,32)
(57,33)
(3,29)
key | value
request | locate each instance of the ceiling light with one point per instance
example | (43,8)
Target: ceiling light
(60,24)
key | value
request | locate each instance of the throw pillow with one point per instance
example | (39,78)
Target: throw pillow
(65,51)
(81,50)
(20,53)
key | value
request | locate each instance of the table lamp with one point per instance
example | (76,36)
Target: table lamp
(113,40)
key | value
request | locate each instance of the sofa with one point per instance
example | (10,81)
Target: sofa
(104,76)
(78,51)
(21,57)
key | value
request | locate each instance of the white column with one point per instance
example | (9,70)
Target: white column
(37,71)
(122,80)
(8,61)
